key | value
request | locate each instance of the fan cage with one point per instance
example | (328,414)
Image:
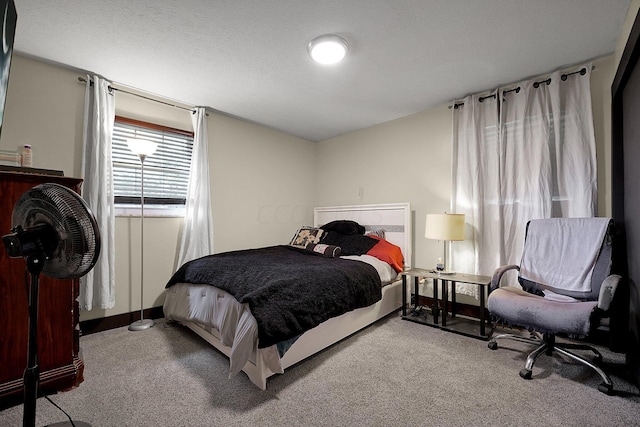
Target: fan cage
(76,228)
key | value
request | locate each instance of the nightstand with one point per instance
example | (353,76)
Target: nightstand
(440,315)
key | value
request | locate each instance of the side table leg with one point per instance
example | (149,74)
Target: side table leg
(404,295)
(445,301)
(482,309)
(435,310)
(453,299)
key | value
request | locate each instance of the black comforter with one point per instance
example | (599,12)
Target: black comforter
(288,290)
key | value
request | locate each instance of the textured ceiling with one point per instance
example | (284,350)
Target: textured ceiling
(249,59)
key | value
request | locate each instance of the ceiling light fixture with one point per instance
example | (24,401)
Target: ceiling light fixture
(328,49)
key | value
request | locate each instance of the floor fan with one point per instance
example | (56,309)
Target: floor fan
(54,230)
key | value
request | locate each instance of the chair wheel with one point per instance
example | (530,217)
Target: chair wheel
(526,374)
(492,345)
(606,389)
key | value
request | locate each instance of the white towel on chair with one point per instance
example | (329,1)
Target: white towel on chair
(562,252)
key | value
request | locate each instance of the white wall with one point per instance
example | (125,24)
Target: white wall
(263,185)
(44,108)
(263,180)
(405,160)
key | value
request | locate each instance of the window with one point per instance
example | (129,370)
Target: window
(166,172)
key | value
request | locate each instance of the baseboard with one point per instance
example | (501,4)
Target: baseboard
(92,326)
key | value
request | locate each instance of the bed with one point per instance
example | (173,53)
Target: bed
(208,307)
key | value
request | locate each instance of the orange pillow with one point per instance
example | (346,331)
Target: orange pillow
(387,252)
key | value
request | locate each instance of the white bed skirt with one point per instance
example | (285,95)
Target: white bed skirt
(188,304)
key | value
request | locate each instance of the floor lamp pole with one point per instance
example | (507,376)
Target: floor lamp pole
(143,323)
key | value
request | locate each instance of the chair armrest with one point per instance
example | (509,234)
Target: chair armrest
(497,275)
(607,291)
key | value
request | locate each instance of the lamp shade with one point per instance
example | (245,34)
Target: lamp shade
(142,147)
(445,227)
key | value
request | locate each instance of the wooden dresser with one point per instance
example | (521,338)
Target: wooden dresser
(58,333)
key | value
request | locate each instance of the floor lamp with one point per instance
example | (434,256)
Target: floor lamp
(445,227)
(143,148)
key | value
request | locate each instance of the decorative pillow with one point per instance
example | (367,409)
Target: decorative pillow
(344,226)
(326,250)
(352,244)
(376,232)
(387,252)
(306,235)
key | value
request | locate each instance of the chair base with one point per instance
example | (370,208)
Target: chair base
(546,344)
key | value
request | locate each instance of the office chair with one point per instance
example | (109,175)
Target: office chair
(566,287)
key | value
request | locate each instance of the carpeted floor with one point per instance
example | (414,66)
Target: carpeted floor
(394,373)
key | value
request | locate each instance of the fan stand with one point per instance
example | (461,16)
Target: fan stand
(31,377)
(35,264)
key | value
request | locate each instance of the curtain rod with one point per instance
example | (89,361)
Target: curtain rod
(537,84)
(84,80)
(480,99)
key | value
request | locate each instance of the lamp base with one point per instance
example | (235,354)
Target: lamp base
(141,325)
(445,272)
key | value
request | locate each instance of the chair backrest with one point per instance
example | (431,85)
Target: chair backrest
(585,243)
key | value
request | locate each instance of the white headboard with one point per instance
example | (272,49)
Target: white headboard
(394,218)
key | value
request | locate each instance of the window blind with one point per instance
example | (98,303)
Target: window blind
(166,172)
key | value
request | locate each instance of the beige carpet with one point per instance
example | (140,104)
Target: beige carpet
(394,373)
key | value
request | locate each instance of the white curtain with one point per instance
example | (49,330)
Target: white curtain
(475,178)
(197,234)
(545,166)
(97,288)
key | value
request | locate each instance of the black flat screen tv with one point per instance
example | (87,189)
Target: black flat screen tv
(8,9)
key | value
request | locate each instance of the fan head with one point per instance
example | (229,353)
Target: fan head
(54,220)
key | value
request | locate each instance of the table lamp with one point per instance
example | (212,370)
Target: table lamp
(446,227)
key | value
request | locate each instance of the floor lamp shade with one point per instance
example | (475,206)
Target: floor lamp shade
(445,227)
(142,147)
